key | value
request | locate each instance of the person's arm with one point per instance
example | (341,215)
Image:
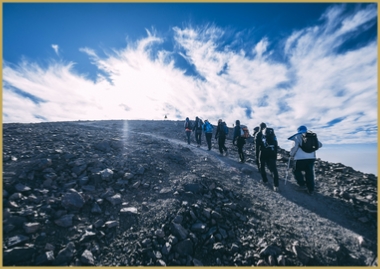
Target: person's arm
(257,145)
(295,147)
(233,139)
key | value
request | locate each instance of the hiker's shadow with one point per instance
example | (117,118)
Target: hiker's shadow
(326,206)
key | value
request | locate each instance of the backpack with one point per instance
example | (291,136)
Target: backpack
(244,132)
(224,128)
(309,142)
(187,125)
(268,140)
(208,127)
(198,125)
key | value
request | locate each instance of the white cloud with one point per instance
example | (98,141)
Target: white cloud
(55,48)
(261,47)
(315,86)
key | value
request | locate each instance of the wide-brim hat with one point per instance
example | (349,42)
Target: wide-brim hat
(301,130)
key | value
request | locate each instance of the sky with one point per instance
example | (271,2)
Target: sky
(285,64)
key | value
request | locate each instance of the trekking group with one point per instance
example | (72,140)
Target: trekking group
(303,152)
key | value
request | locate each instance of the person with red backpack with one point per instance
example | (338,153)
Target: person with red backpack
(303,153)
(240,140)
(266,152)
(188,128)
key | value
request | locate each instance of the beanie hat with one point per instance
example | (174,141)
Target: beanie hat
(302,129)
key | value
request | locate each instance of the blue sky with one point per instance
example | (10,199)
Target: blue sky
(287,64)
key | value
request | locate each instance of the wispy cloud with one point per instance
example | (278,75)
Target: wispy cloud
(321,84)
(55,48)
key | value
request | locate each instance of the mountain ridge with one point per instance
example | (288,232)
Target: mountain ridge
(134,193)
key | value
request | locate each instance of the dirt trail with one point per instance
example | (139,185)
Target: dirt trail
(313,222)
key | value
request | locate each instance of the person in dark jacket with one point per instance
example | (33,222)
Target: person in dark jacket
(266,152)
(198,130)
(221,135)
(255,132)
(240,141)
(188,128)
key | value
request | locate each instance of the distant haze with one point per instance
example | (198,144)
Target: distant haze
(362,157)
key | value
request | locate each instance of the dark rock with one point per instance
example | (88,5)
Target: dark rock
(271,251)
(73,200)
(193,187)
(115,200)
(184,247)
(22,188)
(111,224)
(87,258)
(18,255)
(198,227)
(179,231)
(96,209)
(103,146)
(31,227)
(17,240)
(106,174)
(65,221)
(65,255)
(45,259)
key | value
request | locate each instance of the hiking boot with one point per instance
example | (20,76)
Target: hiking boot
(265,183)
(310,192)
(301,188)
(275,189)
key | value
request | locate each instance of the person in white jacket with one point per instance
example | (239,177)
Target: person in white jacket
(303,161)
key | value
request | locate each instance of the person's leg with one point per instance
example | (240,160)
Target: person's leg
(200,138)
(299,167)
(220,143)
(188,137)
(262,170)
(273,169)
(208,139)
(309,174)
(240,152)
(223,139)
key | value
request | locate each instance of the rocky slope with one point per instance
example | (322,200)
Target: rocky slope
(114,193)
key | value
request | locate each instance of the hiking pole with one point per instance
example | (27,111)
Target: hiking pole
(287,171)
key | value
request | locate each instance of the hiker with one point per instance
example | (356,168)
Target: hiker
(266,152)
(197,128)
(208,128)
(304,159)
(240,141)
(255,132)
(188,128)
(220,135)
